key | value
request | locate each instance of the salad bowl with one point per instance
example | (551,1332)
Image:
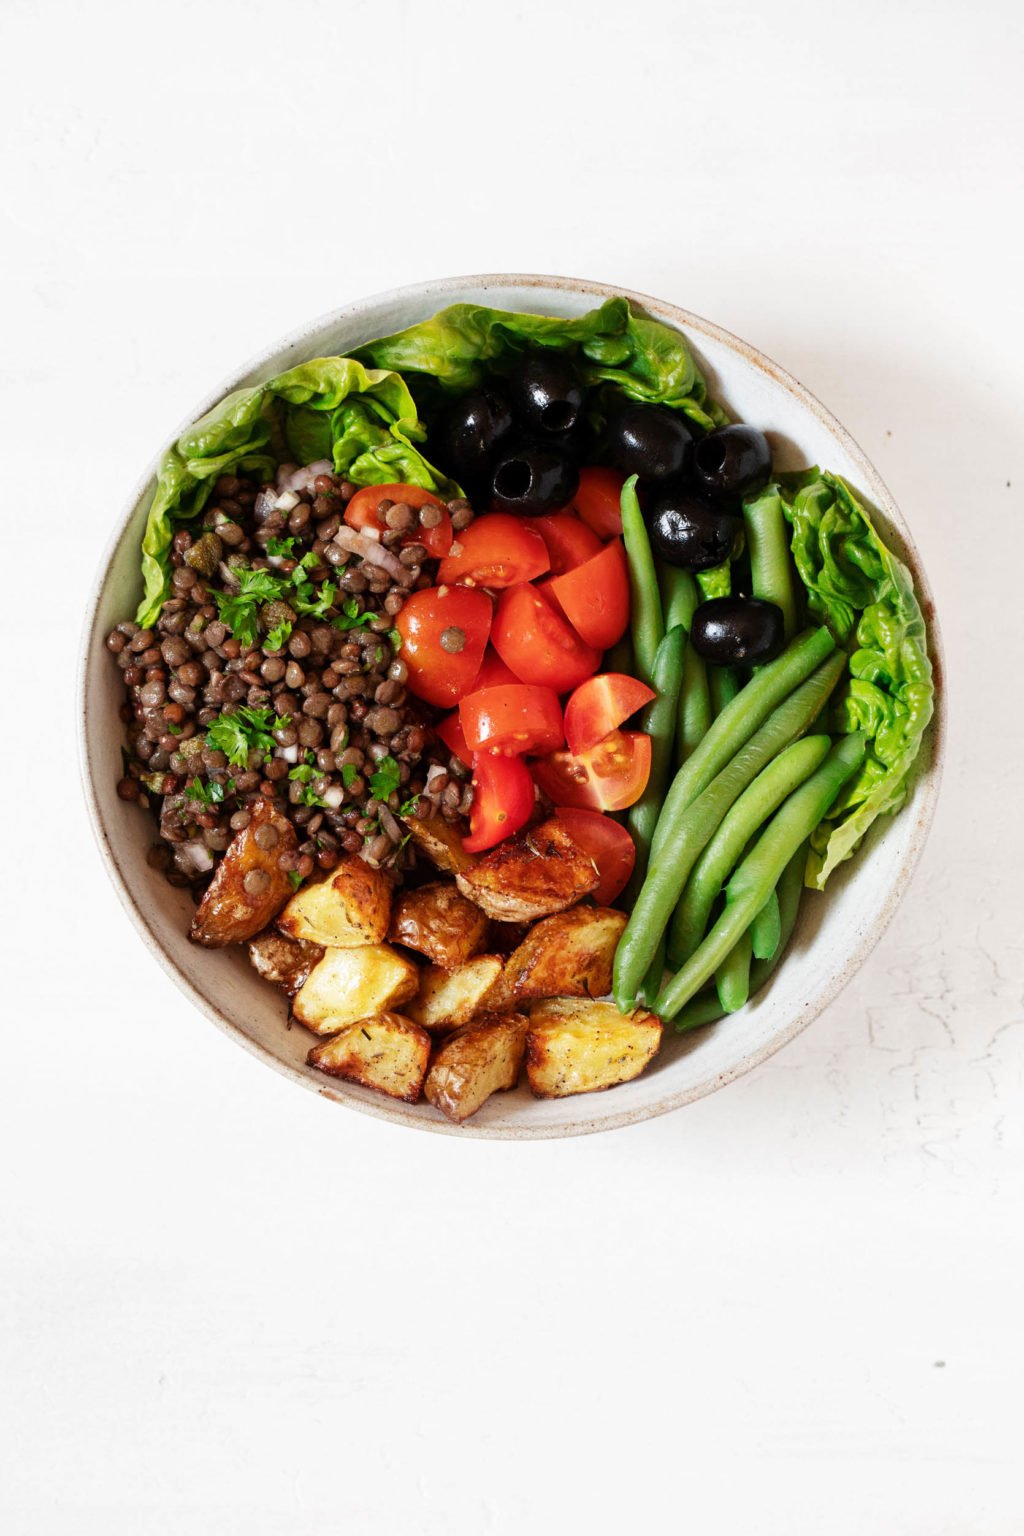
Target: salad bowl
(835,933)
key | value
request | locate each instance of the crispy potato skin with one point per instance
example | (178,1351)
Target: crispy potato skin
(352,984)
(441,843)
(476,1061)
(448,999)
(576,1045)
(531,875)
(568,955)
(228,913)
(283,961)
(439,922)
(349,908)
(386,1052)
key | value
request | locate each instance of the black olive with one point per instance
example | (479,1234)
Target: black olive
(726,630)
(650,441)
(732,462)
(687,530)
(471,432)
(545,392)
(534,479)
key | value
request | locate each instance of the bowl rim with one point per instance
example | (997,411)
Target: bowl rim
(927,780)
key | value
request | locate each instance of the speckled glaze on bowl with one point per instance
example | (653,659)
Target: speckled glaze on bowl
(844,925)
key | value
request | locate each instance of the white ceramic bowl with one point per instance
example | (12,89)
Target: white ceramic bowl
(836,931)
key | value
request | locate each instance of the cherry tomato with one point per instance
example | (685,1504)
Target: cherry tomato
(361,513)
(600,705)
(538,644)
(514,720)
(444,632)
(609,845)
(597,500)
(497,550)
(569,541)
(595,596)
(450,731)
(503,800)
(608,777)
(493,672)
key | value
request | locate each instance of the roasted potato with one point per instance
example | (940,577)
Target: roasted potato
(531,875)
(447,999)
(475,1062)
(568,955)
(349,908)
(385,1052)
(437,920)
(286,962)
(230,912)
(441,842)
(352,984)
(576,1045)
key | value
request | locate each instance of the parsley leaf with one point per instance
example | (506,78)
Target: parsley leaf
(295,878)
(280,549)
(408,807)
(386,779)
(304,774)
(350,617)
(208,794)
(395,638)
(240,610)
(247,729)
(278,637)
(349,774)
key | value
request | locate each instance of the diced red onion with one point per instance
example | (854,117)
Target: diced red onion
(286,501)
(290,754)
(333,796)
(264,504)
(369,549)
(195,855)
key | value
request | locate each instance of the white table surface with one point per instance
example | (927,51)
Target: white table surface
(795,1307)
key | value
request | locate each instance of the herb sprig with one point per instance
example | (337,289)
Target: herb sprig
(244,731)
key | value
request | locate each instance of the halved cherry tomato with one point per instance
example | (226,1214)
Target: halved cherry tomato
(450,731)
(493,672)
(514,720)
(600,705)
(609,777)
(609,845)
(361,513)
(569,541)
(598,498)
(497,550)
(595,596)
(538,644)
(444,633)
(503,800)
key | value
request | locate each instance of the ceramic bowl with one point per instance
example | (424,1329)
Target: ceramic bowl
(836,932)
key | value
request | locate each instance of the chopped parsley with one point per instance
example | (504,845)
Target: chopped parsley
(350,616)
(386,779)
(211,793)
(408,807)
(395,638)
(240,610)
(349,774)
(281,549)
(277,639)
(295,879)
(304,774)
(243,731)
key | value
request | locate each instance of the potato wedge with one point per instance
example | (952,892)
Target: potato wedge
(448,999)
(229,912)
(438,921)
(349,908)
(531,875)
(286,962)
(386,1052)
(352,984)
(441,842)
(576,1045)
(568,955)
(474,1062)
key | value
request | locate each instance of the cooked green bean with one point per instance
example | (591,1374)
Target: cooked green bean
(647,623)
(725,849)
(749,887)
(717,582)
(724,686)
(732,979)
(694,706)
(771,567)
(679,597)
(659,721)
(655,978)
(694,826)
(766,929)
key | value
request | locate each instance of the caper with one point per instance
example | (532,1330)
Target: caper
(205,554)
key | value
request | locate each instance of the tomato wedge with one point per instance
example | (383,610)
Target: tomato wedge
(569,541)
(514,719)
(600,705)
(538,644)
(497,550)
(450,731)
(595,596)
(444,633)
(503,800)
(598,500)
(608,777)
(609,845)
(361,514)
(493,672)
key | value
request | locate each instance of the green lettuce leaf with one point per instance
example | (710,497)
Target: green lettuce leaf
(865,595)
(365,420)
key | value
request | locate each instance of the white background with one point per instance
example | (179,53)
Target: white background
(229,1307)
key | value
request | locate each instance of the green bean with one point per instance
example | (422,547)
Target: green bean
(693,827)
(738,722)
(732,979)
(647,623)
(694,706)
(784,774)
(717,582)
(620,657)
(679,597)
(655,978)
(658,720)
(766,929)
(771,566)
(751,883)
(705,1008)
(724,685)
